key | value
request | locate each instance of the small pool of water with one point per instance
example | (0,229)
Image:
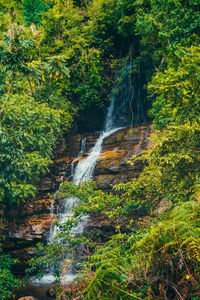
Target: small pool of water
(39,287)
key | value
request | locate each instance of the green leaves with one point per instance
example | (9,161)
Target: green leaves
(173,165)
(9,283)
(33,10)
(56,67)
(170,249)
(176,90)
(142,258)
(15,51)
(167,23)
(30,126)
(29,131)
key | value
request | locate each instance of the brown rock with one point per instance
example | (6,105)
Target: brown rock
(28,298)
(39,205)
(34,220)
(52,291)
(32,227)
(112,166)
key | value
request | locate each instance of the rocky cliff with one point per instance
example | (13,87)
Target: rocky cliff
(36,217)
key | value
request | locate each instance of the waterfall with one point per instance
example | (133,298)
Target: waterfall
(118,116)
(84,169)
(65,209)
(126,107)
(82,172)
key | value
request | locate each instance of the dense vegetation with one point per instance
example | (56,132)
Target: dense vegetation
(58,61)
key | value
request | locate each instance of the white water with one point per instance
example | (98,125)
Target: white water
(85,168)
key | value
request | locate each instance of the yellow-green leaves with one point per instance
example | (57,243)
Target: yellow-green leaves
(176,91)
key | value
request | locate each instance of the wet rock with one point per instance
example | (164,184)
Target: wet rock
(28,298)
(52,291)
(22,256)
(13,213)
(31,224)
(34,220)
(33,227)
(112,166)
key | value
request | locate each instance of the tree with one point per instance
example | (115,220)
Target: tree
(14,53)
(176,91)
(33,10)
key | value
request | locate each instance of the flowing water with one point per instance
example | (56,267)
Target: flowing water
(118,116)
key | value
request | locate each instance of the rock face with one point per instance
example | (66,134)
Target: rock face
(28,298)
(112,166)
(34,221)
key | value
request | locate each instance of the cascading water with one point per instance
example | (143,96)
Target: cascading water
(126,107)
(118,116)
(65,210)
(84,169)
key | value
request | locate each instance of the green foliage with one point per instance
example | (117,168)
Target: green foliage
(9,283)
(151,262)
(140,262)
(162,261)
(95,202)
(90,40)
(30,125)
(33,10)
(65,62)
(173,166)
(29,132)
(15,55)
(74,46)
(60,253)
(9,11)
(176,90)
(164,26)
(15,52)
